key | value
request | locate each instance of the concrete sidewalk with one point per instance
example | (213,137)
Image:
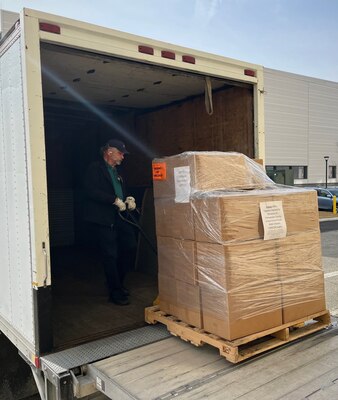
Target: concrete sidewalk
(327,216)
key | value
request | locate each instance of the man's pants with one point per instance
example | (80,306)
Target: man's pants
(118,249)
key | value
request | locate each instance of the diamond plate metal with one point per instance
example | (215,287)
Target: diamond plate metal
(65,360)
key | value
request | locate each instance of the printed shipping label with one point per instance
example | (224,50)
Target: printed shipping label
(273,220)
(182,184)
(159,171)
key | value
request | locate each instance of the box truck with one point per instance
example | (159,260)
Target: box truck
(66,87)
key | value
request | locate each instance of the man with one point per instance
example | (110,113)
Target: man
(105,199)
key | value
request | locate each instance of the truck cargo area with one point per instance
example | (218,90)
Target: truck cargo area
(88,99)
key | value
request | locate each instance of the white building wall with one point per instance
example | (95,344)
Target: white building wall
(301,122)
(323,127)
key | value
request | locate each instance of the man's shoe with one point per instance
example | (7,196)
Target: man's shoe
(125,291)
(120,301)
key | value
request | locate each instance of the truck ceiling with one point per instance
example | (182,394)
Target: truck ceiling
(109,81)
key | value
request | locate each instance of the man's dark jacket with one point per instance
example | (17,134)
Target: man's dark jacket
(99,195)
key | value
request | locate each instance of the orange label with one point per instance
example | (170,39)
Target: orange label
(159,171)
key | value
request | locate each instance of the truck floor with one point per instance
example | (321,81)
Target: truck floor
(171,368)
(81,311)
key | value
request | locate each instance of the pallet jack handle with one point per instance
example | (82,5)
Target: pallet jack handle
(135,223)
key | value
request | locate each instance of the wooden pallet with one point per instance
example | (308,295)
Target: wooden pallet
(246,347)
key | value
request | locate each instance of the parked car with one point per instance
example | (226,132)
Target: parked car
(325,197)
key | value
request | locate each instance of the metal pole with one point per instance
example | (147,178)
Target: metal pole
(326,173)
(326,158)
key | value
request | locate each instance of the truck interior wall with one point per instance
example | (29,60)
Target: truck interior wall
(187,126)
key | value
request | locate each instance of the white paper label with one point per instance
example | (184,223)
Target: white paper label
(273,220)
(182,184)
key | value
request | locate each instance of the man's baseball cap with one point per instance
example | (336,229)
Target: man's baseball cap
(118,144)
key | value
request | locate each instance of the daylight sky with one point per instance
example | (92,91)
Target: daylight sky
(299,36)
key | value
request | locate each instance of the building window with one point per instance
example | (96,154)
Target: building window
(297,172)
(300,172)
(332,172)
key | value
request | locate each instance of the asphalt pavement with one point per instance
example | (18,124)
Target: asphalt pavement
(329,225)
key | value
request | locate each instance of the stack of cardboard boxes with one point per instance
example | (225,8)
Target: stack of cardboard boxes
(220,267)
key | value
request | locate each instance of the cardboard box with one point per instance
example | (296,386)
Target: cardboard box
(247,287)
(174,219)
(226,217)
(232,315)
(299,263)
(189,304)
(206,171)
(240,290)
(176,259)
(167,294)
(233,266)
(181,300)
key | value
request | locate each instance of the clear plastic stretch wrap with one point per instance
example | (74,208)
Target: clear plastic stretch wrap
(222,217)
(235,262)
(184,174)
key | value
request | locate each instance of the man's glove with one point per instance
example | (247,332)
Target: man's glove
(131,204)
(119,204)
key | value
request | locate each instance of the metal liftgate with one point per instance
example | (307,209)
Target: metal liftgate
(67,370)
